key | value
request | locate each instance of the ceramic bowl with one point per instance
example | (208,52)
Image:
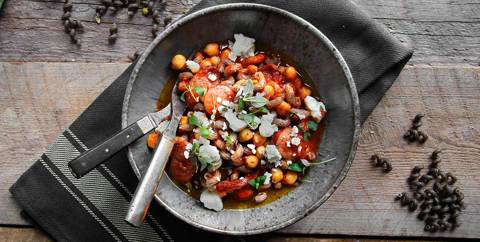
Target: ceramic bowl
(311,50)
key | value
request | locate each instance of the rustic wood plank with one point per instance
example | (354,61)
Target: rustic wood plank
(442,31)
(363,204)
(14,234)
(39,100)
(9,234)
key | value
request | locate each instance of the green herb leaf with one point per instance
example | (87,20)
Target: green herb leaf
(313,126)
(203,164)
(264,110)
(256,101)
(199,90)
(195,147)
(182,96)
(241,104)
(251,120)
(306,135)
(248,89)
(228,139)
(257,182)
(204,132)
(296,167)
(193,120)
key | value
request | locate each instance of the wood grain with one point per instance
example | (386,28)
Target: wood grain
(363,204)
(442,31)
(8,234)
(39,100)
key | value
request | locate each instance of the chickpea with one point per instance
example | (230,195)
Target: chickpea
(178,62)
(152,139)
(283,109)
(290,178)
(258,139)
(245,135)
(269,91)
(197,136)
(205,63)
(290,73)
(212,49)
(215,60)
(260,152)
(281,69)
(252,69)
(251,161)
(277,175)
(304,92)
(184,120)
(225,54)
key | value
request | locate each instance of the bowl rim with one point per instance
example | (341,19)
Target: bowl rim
(259,7)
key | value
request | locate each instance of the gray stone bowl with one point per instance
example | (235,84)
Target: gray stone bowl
(312,51)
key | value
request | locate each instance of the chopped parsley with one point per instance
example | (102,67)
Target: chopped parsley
(204,132)
(193,120)
(257,182)
(199,90)
(296,167)
(313,126)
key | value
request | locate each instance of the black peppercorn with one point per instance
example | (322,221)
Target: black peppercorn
(450,178)
(112,38)
(425,178)
(418,118)
(417,185)
(66,15)
(435,154)
(429,193)
(412,206)
(113,29)
(417,169)
(405,200)
(422,215)
(422,137)
(431,218)
(418,196)
(400,196)
(67,7)
(413,177)
(426,205)
(387,167)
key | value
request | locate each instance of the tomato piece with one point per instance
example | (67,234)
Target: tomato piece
(182,170)
(178,148)
(230,186)
(210,100)
(281,138)
(244,194)
(182,86)
(254,60)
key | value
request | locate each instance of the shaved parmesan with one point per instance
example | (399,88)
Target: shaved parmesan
(211,200)
(243,47)
(193,66)
(315,107)
(234,123)
(267,129)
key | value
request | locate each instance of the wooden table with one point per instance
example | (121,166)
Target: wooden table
(45,82)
